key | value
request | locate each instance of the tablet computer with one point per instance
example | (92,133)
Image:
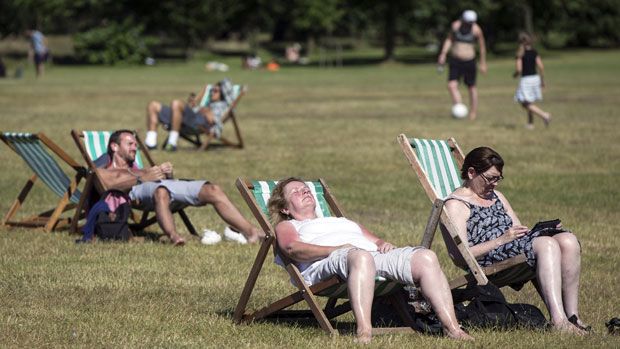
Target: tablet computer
(547,228)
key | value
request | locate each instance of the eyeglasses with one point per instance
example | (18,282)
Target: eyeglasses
(492,180)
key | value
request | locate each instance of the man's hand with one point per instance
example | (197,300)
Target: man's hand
(153,174)
(166,169)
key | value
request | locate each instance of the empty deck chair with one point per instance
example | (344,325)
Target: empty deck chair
(31,147)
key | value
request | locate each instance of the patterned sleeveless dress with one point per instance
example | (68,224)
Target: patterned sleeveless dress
(488,223)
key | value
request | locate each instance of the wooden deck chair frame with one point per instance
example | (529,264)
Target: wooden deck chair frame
(94,183)
(69,193)
(510,271)
(305,292)
(193,135)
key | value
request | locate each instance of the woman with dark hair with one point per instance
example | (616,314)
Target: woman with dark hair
(327,246)
(484,217)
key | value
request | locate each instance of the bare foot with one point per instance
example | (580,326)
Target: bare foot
(567,327)
(472,116)
(177,240)
(256,236)
(547,119)
(458,334)
(363,337)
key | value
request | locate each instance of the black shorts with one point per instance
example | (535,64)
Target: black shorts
(190,118)
(40,58)
(465,69)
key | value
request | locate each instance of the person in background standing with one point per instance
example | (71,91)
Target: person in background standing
(529,67)
(39,49)
(460,43)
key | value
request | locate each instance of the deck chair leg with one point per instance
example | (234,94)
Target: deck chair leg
(251,281)
(20,199)
(237,131)
(311,300)
(431,225)
(80,209)
(188,223)
(53,220)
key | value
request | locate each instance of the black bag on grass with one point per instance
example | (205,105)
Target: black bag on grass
(488,308)
(114,225)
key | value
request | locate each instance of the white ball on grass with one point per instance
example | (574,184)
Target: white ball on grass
(459,111)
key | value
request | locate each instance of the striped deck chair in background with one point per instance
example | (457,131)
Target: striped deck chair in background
(437,164)
(92,145)
(31,147)
(256,194)
(193,135)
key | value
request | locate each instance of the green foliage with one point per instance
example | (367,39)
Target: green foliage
(112,44)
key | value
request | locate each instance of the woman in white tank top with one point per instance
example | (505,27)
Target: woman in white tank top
(339,246)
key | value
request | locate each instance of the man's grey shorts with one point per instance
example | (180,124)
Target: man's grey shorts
(182,193)
(394,265)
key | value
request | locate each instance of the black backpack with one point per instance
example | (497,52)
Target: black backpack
(114,225)
(487,308)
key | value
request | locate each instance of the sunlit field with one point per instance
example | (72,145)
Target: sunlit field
(339,124)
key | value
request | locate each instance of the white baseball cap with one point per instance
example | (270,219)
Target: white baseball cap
(469,16)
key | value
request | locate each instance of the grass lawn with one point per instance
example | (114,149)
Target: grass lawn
(337,123)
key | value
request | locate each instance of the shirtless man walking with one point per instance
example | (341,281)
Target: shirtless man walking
(461,45)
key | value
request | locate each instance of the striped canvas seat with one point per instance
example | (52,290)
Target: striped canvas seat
(96,144)
(32,149)
(257,194)
(437,164)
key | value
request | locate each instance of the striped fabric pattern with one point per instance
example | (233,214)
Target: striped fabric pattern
(438,164)
(262,192)
(96,144)
(29,147)
(207,95)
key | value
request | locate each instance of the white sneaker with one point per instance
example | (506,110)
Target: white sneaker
(210,237)
(232,235)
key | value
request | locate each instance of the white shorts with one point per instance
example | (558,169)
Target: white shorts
(394,265)
(182,193)
(529,89)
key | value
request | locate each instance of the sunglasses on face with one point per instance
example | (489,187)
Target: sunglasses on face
(491,180)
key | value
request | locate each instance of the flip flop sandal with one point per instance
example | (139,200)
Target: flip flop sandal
(575,321)
(613,326)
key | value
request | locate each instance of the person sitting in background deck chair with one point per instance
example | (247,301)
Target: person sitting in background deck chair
(154,189)
(190,114)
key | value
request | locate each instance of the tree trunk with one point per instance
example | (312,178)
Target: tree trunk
(390,31)
(528,22)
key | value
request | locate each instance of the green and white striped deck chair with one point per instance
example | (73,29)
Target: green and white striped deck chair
(94,144)
(437,164)
(192,134)
(256,195)
(32,148)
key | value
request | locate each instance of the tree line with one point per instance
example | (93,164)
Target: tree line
(106,31)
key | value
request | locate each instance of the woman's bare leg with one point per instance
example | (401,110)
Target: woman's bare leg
(426,271)
(361,284)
